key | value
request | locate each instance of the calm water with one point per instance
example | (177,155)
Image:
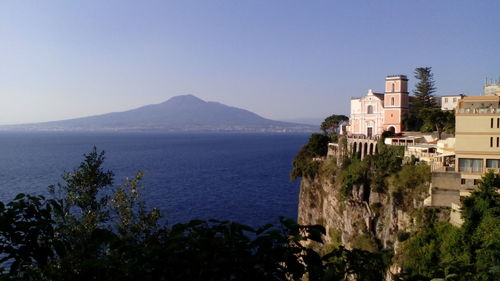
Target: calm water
(242,177)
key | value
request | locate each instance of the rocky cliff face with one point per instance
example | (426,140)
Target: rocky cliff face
(366,220)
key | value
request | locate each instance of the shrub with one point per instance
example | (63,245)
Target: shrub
(403,236)
(303,164)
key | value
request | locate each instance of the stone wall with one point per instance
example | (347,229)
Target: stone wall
(446,180)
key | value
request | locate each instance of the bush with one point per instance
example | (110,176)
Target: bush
(303,164)
(388,134)
(366,242)
(403,236)
(354,173)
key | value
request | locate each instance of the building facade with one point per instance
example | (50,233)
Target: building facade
(450,102)
(375,113)
(477,137)
(492,88)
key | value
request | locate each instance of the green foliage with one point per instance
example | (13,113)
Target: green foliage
(403,236)
(366,242)
(437,120)
(133,220)
(386,162)
(388,134)
(423,99)
(355,172)
(342,264)
(471,252)
(304,165)
(329,166)
(410,184)
(336,236)
(424,89)
(377,208)
(372,171)
(331,124)
(27,233)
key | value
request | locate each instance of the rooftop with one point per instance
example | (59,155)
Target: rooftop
(397,76)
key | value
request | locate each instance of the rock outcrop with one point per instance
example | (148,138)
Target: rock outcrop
(365,220)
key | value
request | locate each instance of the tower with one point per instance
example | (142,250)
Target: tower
(396,102)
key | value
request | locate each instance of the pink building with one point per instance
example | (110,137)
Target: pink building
(378,112)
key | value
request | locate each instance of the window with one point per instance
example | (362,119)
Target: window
(370,109)
(462,181)
(498,122)
(392,101)
(491,123)
(454,99)
(498,141)
(493,163)
(491,141)
(445,99)
(476,181)
(392,87)
(470,165)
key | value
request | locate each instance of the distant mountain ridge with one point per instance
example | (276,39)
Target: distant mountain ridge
(180,113)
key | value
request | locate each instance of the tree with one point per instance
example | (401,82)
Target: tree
(424,89)
(332,123)
(438,120)
(304,164)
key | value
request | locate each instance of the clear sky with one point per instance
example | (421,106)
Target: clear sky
(283,59)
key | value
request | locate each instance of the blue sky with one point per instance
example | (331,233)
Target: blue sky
(281,59)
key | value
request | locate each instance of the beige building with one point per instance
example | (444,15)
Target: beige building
(477,137)
(492,88)
(376,112)
(450,102)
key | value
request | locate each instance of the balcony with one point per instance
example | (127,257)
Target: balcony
(479,111)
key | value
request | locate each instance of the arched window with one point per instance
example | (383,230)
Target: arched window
(392,101)
(370,109)
(393,87)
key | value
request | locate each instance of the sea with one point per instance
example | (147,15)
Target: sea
(241,177)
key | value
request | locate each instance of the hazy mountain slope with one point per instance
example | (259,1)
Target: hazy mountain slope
(180,113)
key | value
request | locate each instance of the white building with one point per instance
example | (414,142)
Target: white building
(450,102)
(367,114)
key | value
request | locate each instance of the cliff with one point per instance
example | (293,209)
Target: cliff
(371,204)
(355,222)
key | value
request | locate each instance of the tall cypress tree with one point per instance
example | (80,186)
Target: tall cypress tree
(424,89)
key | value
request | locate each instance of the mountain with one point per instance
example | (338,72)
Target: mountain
(180,113)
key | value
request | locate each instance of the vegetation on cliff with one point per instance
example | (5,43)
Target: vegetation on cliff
(470,252)
(305,163)
(371,172)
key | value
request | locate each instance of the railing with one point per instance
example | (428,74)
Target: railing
(470,169)
(420,154)
(479,111)
(363,137)
(441,168)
